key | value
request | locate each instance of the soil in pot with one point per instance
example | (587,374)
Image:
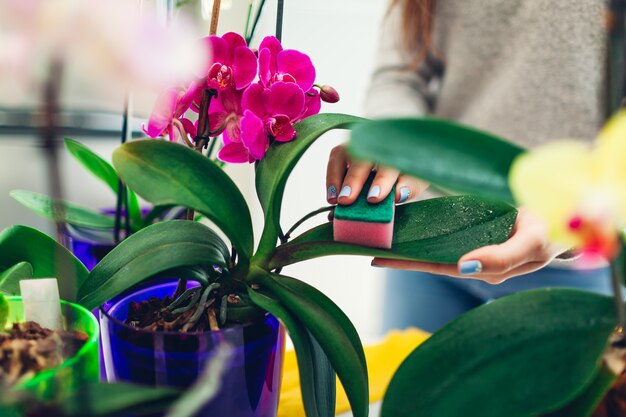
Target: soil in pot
(27,349)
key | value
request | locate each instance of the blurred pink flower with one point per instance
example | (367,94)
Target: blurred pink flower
(289,65)
(233,64)
(166,117)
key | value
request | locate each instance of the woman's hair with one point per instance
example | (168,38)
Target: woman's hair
(417,26)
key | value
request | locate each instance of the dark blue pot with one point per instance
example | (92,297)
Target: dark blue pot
(251,384)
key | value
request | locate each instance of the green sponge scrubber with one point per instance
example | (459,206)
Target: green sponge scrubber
(364,223)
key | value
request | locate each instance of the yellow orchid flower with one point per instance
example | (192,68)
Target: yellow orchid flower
(580,191)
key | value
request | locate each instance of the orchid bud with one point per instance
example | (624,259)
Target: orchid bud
(329,94)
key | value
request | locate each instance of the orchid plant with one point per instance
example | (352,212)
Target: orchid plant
(271,122)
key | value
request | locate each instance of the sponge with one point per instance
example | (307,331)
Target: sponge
(364,223)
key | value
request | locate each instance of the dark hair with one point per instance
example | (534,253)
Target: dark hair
(417,27)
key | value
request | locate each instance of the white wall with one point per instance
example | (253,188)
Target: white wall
(340,37)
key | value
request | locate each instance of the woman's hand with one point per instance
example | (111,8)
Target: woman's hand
(527,250)
(345,179)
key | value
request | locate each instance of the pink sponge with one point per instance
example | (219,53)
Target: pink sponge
(364,223)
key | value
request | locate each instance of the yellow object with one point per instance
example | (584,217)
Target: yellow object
(579,191)
(383,359)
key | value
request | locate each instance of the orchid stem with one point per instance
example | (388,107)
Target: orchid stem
(285,238)
(122,194)
(256,21)
(618,295)
(279,20)
(215,17)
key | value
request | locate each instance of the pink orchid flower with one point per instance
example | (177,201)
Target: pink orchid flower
(234,152)
(289,65)
(225,115)
(166,117)
(232,63)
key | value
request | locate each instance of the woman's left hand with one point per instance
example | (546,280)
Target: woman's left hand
(527,250)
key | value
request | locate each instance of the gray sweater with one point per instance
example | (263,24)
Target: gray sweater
(529,70)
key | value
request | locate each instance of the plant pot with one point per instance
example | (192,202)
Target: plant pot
(88,245)
(251,384)
(76,371)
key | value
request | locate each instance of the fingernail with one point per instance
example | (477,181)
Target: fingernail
(374,192)
(405,193)
(470,267)
(331,193)
(345,191)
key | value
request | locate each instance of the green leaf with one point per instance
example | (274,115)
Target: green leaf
(445,153)
(156,248)
(119,399)
(274,170)
(167,173)
(100,168)
(588,401)
(206,388)
(521,355)
(4,311)
(105,172)
(10,278)
(47,257)
(436,230)
(332,329)
(72,213)
(318,390)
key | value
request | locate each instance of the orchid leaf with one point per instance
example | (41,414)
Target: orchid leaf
(448,154)
(521,355)
(156,248)
(45,255)
(10,279)
(166,173)
(332,330)
(119,399)
(585,404)
(436,230)
(274,170)
(72,213)
(105,172)
(317,382)
(4,311)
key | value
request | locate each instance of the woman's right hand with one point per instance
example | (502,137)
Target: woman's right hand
(345,179)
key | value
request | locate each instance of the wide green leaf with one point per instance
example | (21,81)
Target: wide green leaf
(10,278)
(436,230)
(119,399)
(317,384)
(588,401)
(167,173)
(72,213)
(4,311)
(332,330)
(448,154)
(156,248)
(45,255)
(274,170)
(521,355)
(105,172)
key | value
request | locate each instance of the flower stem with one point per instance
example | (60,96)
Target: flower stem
(279,20)
(618,295)
(122,194)
(286,236)
(256,21)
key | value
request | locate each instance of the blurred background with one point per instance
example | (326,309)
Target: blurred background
(339,36)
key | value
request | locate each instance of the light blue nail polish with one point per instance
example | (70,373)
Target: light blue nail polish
(345,191)
(405,193)
(470,267)
(374,192)
(331,193)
